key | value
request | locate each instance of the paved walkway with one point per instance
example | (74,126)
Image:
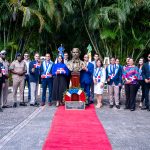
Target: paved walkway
(25,128)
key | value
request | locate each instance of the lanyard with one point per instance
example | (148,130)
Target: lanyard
(46,67)
(97,72)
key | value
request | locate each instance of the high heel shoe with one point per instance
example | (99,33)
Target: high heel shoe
(57,104)
(99,105)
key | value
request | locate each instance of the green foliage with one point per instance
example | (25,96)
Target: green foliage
(113,27)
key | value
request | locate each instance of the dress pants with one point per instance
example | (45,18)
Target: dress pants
(113,94)
(47,82)
(18,83)
(4,94)
(34,92)
(86,88)
(130,91)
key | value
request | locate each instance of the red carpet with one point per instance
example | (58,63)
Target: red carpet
(76,130)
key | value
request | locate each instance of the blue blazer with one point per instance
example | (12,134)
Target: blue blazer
(33,76)
(118,75)
(87,76)
(146,71)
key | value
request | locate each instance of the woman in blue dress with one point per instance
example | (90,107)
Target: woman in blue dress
(60,73)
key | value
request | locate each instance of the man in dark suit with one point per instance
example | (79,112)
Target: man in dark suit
(86,76)
(146,77)
(47,80)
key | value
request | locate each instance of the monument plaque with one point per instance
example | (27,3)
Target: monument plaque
(74,105)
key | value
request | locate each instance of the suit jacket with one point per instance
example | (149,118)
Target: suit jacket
(44,68)
(117,77)
(87,76)
(33,76)
(146,71)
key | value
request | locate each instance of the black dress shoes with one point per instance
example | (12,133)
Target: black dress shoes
(118,106)
(144,108)
(111,106)
(1,110)
(23,104)
(132,109)
(15,105)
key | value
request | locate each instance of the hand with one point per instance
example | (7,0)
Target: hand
(95,81)
(33,70)
(146,81)
(50,75)
(42,76)
(101,85)
(1,75)
(128,81)
(108,80)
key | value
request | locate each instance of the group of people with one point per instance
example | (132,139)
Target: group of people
(56,76)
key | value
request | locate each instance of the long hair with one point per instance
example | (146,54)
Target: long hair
(100,61)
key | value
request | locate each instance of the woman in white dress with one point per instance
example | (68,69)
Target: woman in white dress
(99,78)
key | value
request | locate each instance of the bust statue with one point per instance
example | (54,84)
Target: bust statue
(75,64)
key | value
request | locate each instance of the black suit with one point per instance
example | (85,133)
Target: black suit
(146,75)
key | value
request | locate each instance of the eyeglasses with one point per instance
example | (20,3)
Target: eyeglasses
(148,56)
(3,54)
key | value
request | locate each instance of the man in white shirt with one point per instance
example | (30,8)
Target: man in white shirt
(27,61)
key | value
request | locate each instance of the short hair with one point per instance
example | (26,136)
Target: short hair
(47,54)
(96,54)
(112,58)
(36,53)
(65,52)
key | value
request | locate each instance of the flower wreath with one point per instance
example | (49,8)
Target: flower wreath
(79,91)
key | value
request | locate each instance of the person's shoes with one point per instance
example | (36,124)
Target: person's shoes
(118,106)
(132,109)
(42,104)
(140,105)
(34,105)
(62,104)
(111,106)
(144,108)
(1,110)
(23,104)
(6,106)
(57,104)
(91,102)
(99,105)
(15,105)
(126,107)
(87,104)
(49,103)
(148,109)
